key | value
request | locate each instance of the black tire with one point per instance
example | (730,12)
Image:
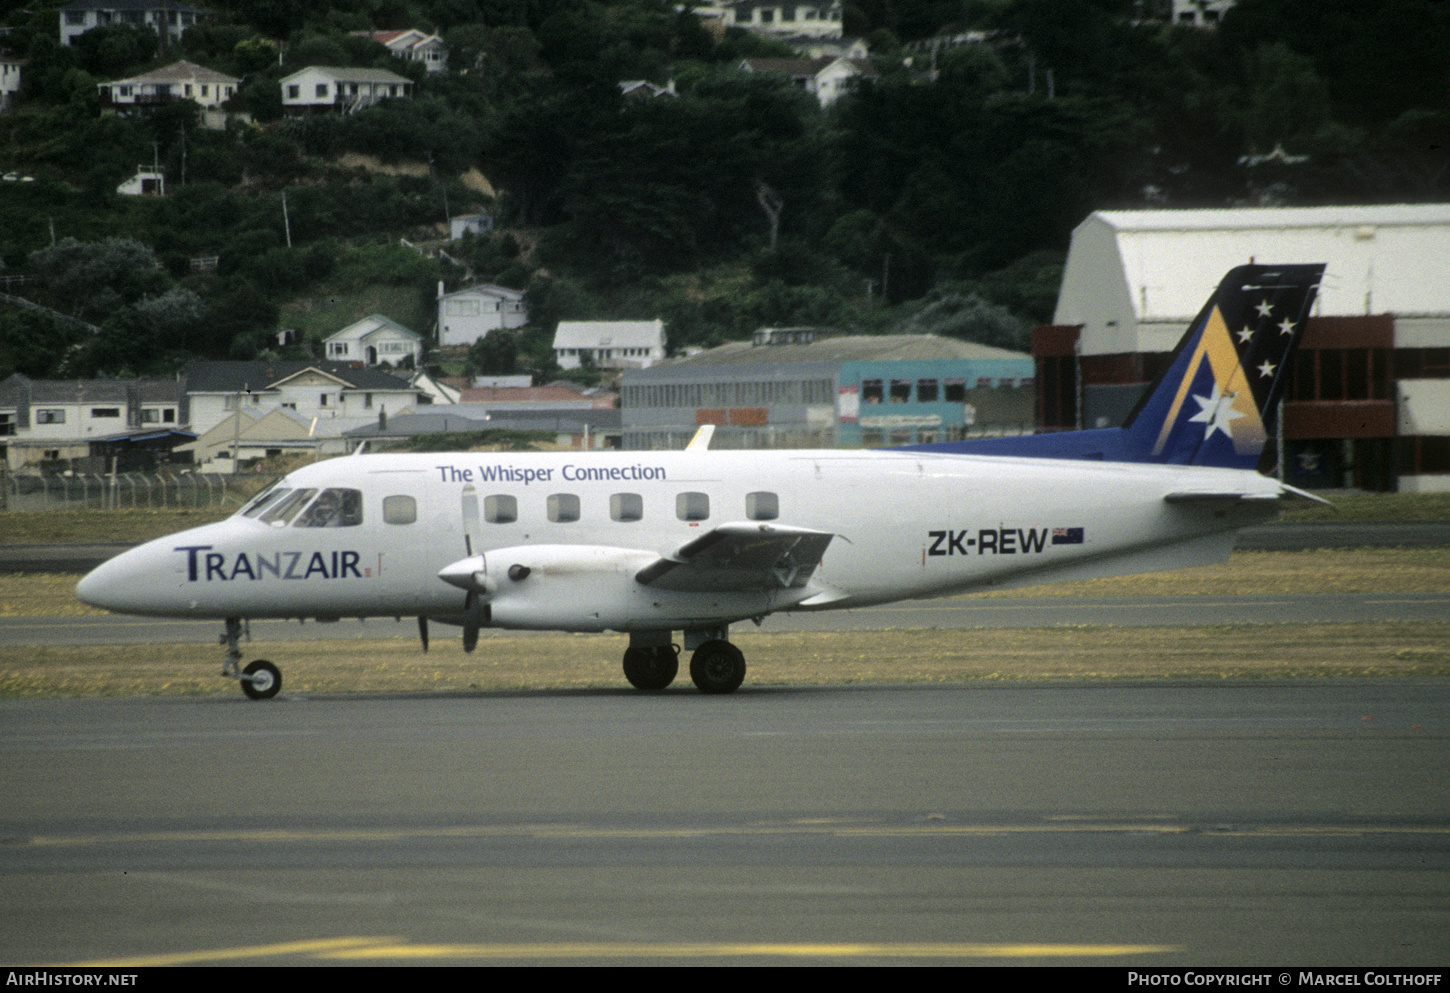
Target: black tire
(265,682)
(717,667)
(651,668)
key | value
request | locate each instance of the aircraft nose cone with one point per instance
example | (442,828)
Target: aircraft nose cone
(107,584)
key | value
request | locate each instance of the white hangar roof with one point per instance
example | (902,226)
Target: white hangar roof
(1135,278)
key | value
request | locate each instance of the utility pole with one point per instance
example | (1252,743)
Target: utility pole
(287,224)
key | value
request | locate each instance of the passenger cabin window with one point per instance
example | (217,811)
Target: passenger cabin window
(762,506)
(692,506)
(500,509)
(400,510)
(333,508)
(626,507)
(563,508)
(284,509)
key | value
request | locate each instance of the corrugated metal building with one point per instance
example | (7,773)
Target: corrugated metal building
(1369,401)
(802,389)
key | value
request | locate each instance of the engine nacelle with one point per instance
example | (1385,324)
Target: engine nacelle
(592,588)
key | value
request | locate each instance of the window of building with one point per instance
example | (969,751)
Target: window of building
(762,506)
(926,390)
(871,391)
(901,391)
(105,411)
(322,399)
(626,507)
(692,506)
(7,424)
(322,89)
(954,390)
(50,416)
(400,510)
(294,91)
(500,509)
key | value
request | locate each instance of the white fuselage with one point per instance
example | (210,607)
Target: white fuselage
(905,524)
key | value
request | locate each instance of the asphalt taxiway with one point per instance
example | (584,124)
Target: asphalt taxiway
(1158,823)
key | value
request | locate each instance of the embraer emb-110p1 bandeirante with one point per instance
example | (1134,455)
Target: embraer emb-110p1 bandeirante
(653,543)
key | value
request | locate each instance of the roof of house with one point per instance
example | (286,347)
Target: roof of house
(233,377)
(179,72)
(170,5)
(1380,259)
(347,74)
(371,325)
(487,289)
(609,334)
(19,388)
(798,68)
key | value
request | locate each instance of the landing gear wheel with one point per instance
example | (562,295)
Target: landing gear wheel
(717,667)
(261,680)
(651,668)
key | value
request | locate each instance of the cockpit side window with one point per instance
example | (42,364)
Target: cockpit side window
(263,499)
(283,510)
(333,508)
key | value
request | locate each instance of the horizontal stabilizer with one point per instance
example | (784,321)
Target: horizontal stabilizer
(740,556)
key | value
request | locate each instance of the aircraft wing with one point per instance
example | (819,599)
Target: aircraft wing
(740,556)
(1285,491)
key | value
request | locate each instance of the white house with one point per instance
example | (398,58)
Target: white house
(375,340)
(178,81)
(172,18)
(329,397)
(610,344)
(466,315)
(413,45)
(335,88)
(1200,13)
(826,78)
(9,80)
(461,224)
(815,18)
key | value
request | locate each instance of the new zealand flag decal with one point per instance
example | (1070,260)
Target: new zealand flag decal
(1067,536)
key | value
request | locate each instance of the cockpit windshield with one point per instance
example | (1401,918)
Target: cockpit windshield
(282,510)
(333,508)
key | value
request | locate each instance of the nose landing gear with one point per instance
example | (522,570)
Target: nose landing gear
(261,680)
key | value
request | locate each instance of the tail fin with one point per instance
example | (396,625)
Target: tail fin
(1218,401)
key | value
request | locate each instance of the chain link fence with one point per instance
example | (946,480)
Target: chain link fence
(130,490)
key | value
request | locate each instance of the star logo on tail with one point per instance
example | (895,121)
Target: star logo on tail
(1217,412)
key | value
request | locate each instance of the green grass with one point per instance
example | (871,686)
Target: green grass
(1374,507)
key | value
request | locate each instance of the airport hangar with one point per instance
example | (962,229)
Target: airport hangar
(1368,400)
(814,388)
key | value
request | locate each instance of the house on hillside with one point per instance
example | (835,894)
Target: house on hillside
(9,80)
(466,315)
(817,18)
(413,45)
(375,340)
(609,344)
(179,81)
(345,90)
(162,16)
(826,78)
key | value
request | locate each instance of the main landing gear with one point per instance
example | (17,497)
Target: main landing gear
(261,680)
(651,662)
